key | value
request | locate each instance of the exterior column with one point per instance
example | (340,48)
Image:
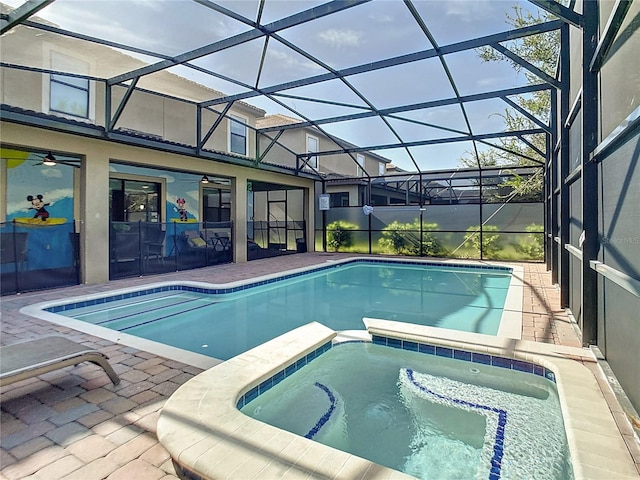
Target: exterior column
(239,216)
(591,244)
(94,219)
(563,158)
(309,208)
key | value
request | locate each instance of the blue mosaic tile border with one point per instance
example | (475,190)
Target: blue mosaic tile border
(498,440)
(325,418)
(281,375)
(465,355)
(432,264)
(220,291)
(437,350)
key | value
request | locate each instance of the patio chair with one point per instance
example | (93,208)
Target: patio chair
(194,249)
(35,357)
(153,244)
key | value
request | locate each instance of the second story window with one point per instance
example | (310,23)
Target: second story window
(68,95)
(238,135)
(360,160)
(312,147)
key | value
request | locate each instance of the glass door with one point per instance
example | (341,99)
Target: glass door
(133,200)
(277,212)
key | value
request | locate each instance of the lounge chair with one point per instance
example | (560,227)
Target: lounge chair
(35,357)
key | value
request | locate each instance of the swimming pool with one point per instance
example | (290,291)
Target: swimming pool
(223,321)
(424,414)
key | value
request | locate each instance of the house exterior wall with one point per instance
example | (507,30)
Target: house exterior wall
(160,113)
(296,140)
(93,189)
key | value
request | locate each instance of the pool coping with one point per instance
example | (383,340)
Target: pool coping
(510,323)
(207,435)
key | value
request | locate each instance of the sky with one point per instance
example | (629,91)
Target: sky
(367,33)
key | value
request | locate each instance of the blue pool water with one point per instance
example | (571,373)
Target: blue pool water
(426,415)
(222,324)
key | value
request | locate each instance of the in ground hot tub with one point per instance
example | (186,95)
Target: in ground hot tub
(208,436)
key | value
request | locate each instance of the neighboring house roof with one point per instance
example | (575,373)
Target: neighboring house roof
(278,119)
(275,120)
(393,168)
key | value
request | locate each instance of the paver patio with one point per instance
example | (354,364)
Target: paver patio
(74,424)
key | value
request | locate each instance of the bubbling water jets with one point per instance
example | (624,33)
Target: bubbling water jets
(514,446)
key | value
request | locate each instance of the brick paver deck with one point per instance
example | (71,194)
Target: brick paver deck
(74,424)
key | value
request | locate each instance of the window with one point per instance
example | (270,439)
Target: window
(382,168)
(339,199)
(378,200)
(360,160)
(68,95)
(312,147)
(216,205)
(132,201)
(238,135)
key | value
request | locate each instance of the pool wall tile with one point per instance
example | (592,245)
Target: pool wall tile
(462,355)
(482,358)
(264,386)
(411,346)
(444,351)
(424,348)
(428,349)
(467,356)
(522,366)
(501,362)
(287,371)
(394,342)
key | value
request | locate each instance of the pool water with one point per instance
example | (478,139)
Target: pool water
(428,416)
(224,325)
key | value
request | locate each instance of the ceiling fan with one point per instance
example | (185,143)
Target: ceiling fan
(210,180)
(48,160)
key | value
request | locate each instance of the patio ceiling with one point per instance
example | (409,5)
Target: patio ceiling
(402,79)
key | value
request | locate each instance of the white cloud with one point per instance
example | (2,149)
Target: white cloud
(340,38)
(379,17)
(283,60)
(466,11)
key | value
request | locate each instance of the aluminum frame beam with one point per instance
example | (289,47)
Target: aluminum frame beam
(284,23)
(560,11)
(542,75)
(417,106)
(437,141)
(609,33)
(398,60)
(24,11)
(527,114)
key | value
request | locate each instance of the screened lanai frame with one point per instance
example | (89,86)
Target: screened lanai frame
(263,30)
(254,30)
(350,92)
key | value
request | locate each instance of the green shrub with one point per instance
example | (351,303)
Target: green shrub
(491,242)
(404,239)
(532,246)
(339,234)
